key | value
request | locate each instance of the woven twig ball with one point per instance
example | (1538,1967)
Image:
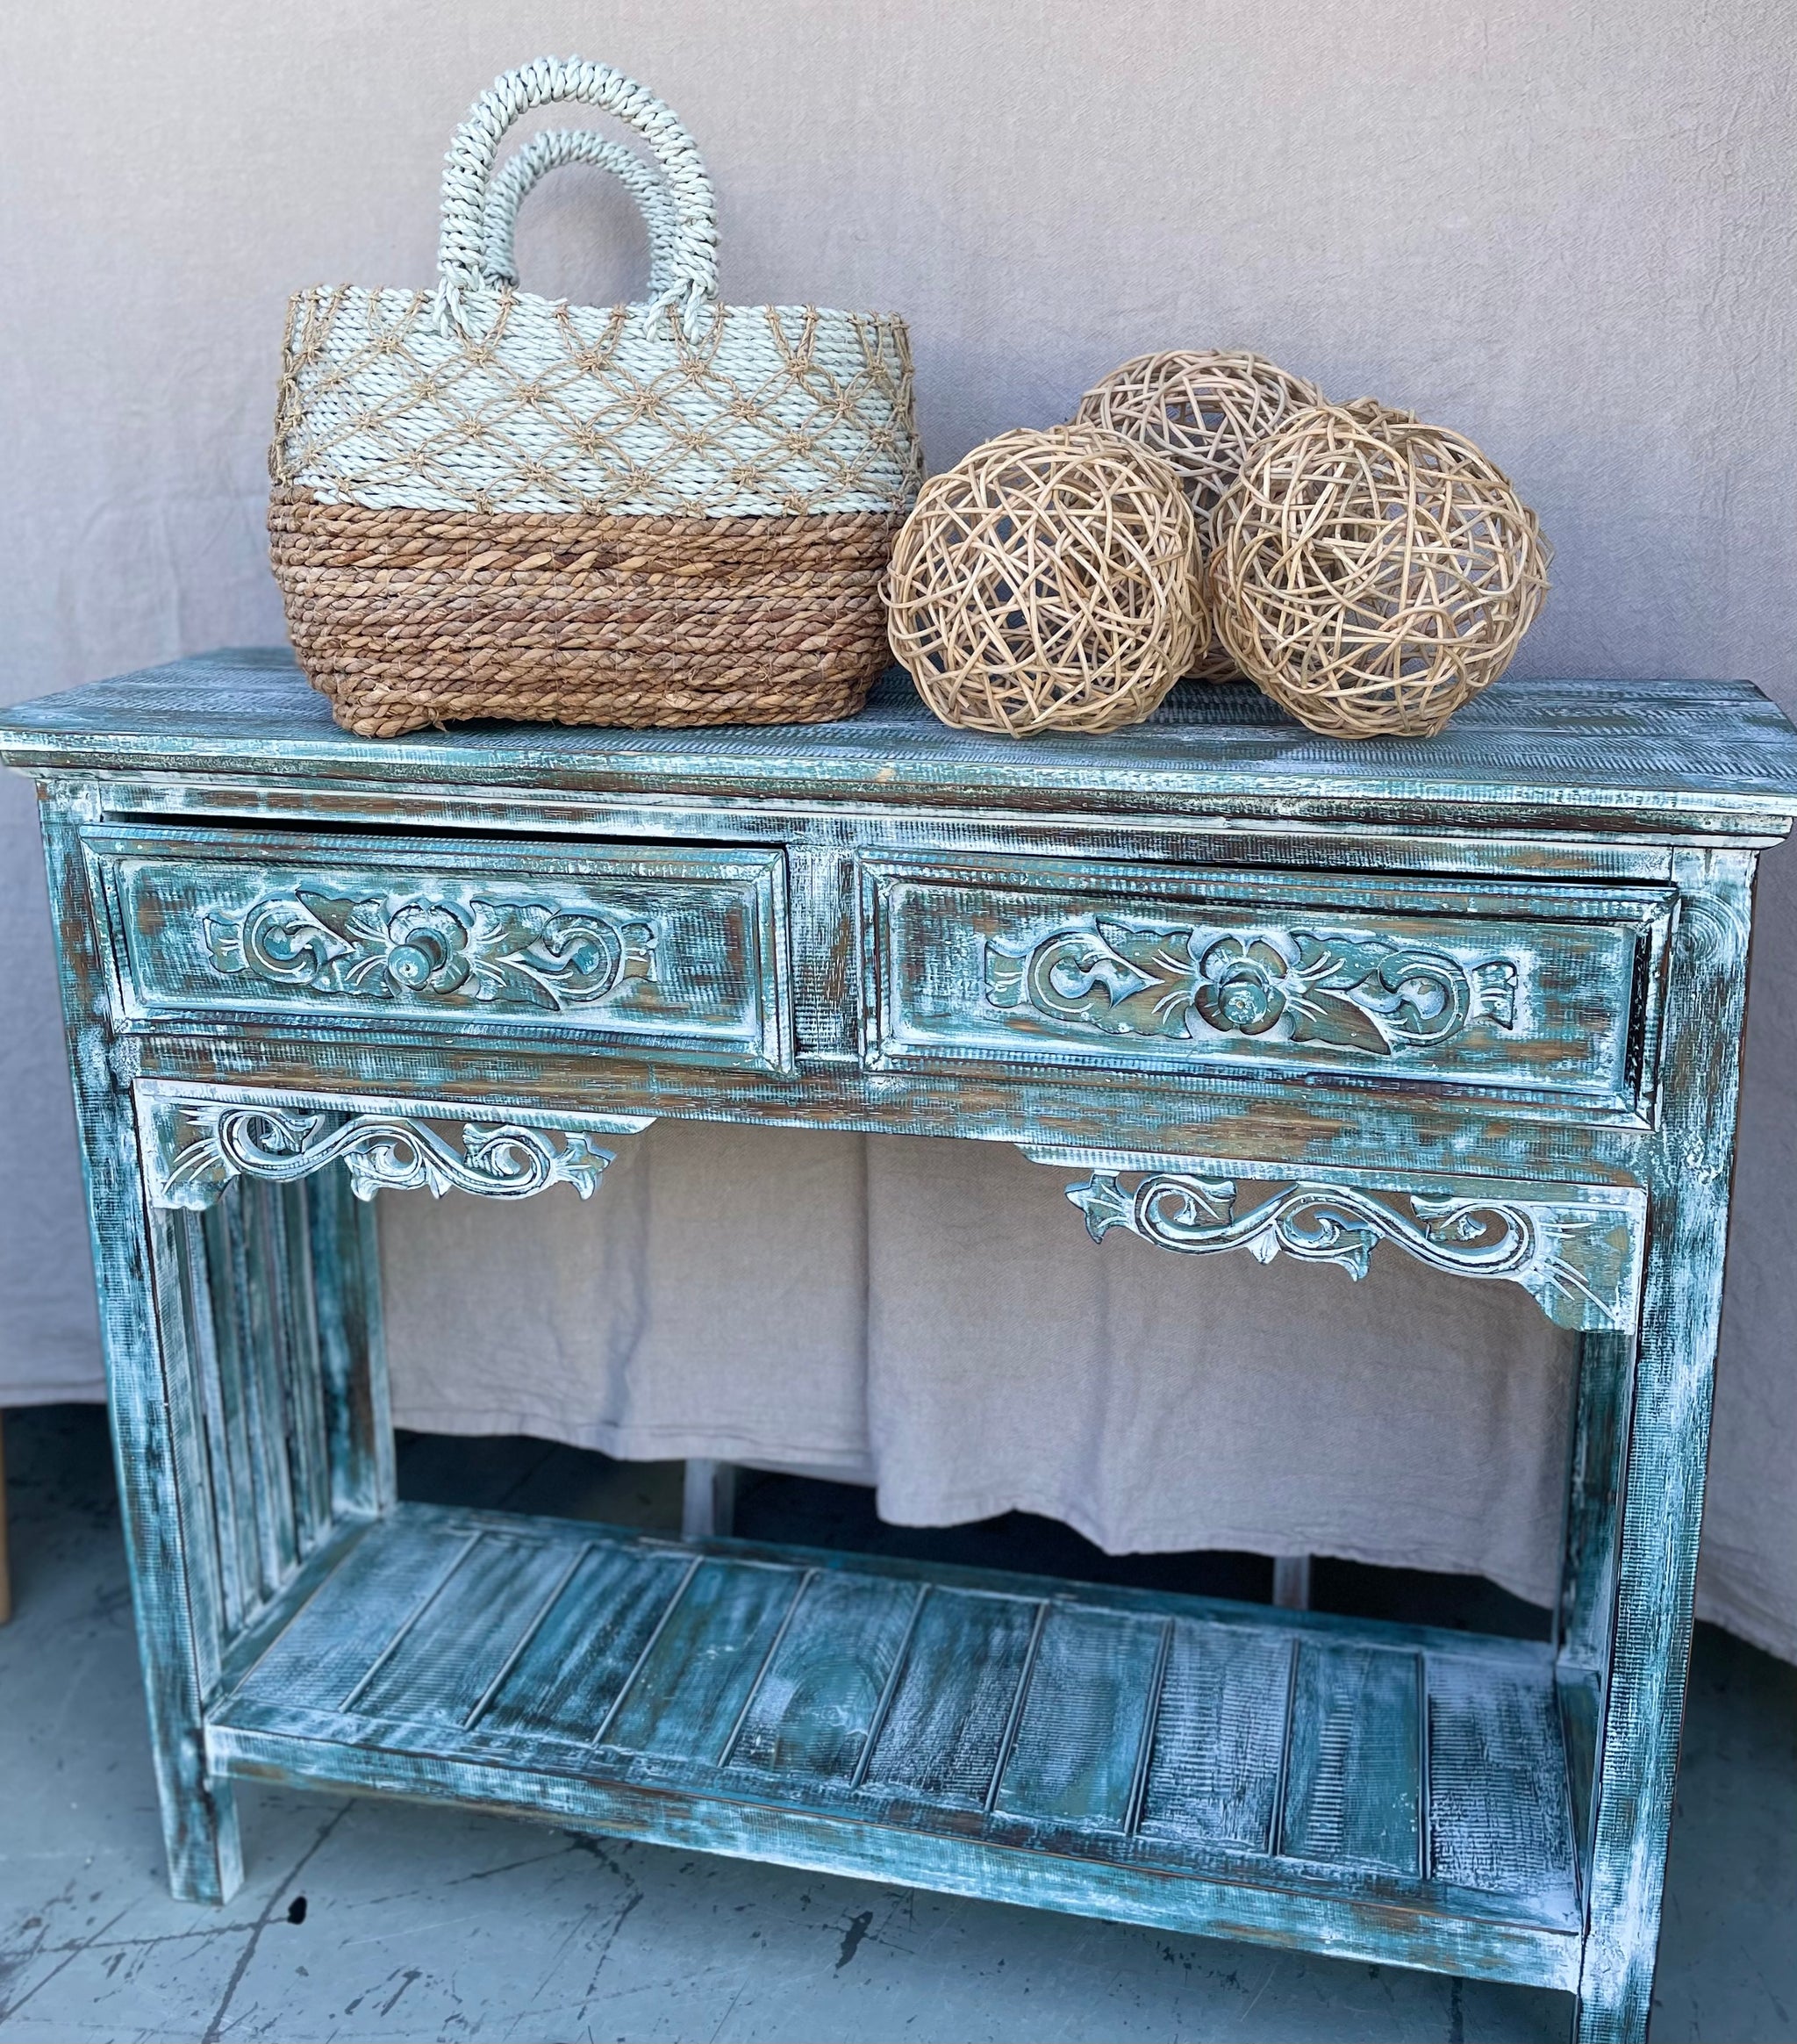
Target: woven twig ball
(1202,412)
(1371,572)
(1047,581)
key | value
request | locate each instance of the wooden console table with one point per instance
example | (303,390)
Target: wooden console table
(1477,1001)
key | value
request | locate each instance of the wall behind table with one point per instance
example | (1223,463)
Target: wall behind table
(1568,232)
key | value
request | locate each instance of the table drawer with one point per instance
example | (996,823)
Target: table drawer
(646,949)
(1547,989)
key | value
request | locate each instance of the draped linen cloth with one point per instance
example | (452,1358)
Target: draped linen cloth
(931,1316)
(1634,383)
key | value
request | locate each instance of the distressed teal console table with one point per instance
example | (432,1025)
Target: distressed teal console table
(1477,1001)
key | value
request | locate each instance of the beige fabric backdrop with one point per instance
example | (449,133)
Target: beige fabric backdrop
(933,1315)
(1568,232)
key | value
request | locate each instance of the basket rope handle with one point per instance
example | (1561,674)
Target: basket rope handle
(467,170)
(550,151)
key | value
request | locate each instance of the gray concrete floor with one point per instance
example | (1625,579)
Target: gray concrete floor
(372,1920)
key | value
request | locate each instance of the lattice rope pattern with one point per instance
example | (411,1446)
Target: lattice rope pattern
(1372,572)
(438,424)
(1047,581)
(777,411)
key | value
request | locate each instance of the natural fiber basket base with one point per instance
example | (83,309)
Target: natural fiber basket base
(405,618)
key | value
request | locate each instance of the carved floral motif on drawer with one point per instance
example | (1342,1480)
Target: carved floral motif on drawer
(511,953)
(1550,991)
(1157,979)
(675,949)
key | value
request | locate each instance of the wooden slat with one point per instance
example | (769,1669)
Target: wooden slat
(308,1449)
(233,1464)
(576,1662)
(265,1392)
(229,1531)
(743,1690)
(1214,1772)
(446,1663)
(338,1636)
(1593,1498)
(1582,1714)
(345,1262)
(943,1738)
(686,1699)
(1499,1815)
(1092,1686)
(254,1333)
(1353,1793)
(814,1707)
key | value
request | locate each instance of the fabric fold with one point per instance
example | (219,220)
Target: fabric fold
(933,1317)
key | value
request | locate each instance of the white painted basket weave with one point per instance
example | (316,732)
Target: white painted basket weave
(550,151)
(489,503)
(478,397)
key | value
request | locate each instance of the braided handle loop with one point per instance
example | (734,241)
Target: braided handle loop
(550,151)
(692,286)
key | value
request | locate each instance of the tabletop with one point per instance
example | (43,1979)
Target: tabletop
(1688,757)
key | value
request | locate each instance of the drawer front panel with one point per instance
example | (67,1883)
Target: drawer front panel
(1552,990)
(652,948)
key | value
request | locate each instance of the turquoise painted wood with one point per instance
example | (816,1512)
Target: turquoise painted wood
(1478,1002)
(997,1735)
(685,950)
(1540,990)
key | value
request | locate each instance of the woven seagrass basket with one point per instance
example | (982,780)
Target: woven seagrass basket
(489,503)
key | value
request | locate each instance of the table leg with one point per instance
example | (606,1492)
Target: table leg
(1662,1500)
(1292,1582)
(157,1442)
(245,1382)
(708,1507)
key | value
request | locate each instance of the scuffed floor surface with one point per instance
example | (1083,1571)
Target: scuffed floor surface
(369,1921)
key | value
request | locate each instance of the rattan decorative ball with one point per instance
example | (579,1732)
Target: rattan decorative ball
(1202,412)
(1047,581)
(1370,573)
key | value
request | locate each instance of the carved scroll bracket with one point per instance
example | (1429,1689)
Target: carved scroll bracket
(195,1147)
(1579,1253)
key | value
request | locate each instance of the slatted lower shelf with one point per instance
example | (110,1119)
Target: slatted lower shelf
(1210,1767)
